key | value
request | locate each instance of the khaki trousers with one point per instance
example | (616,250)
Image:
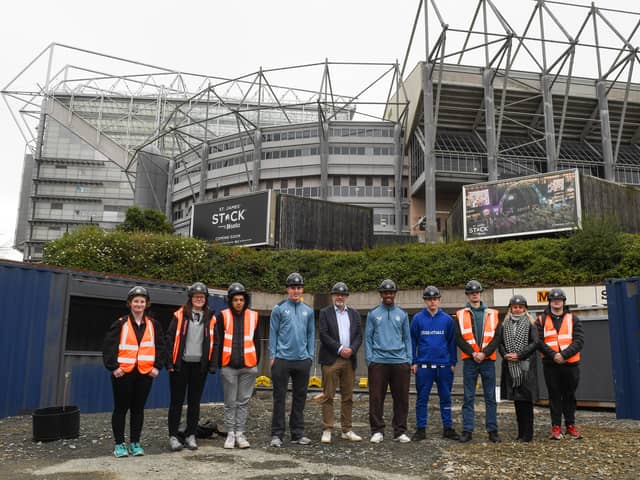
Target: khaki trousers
(342,374)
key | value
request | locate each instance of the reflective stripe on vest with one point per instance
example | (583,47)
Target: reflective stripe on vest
(179,314)
(466,329)
(176,340)
(130,353)
(250,325)
(558,340)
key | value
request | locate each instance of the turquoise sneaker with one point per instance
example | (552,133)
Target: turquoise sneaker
(120,450)
(136,450)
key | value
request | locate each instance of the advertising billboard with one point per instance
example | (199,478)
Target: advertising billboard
(244,220)
(522,206)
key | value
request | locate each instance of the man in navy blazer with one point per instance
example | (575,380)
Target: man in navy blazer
(340,338)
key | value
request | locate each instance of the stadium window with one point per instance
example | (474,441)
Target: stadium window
(268,184)
(284,183)
(298,181)
(226,191)
(368,181)
(336,181)
(384,181)
(353,181)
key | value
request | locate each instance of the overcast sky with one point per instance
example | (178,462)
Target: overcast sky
(222,38)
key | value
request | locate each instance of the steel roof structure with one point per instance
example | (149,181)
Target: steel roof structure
(492,100)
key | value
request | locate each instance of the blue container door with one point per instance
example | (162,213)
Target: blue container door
(623,299)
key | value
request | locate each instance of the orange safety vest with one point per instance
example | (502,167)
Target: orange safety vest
(558,340)
(179,314)
(130,353)
(466,329)
(250,325)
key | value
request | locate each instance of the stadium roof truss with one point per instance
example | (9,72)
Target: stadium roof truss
(524,97)
(183,110)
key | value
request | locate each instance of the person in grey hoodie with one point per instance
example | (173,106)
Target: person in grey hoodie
(291,345)
(388,357)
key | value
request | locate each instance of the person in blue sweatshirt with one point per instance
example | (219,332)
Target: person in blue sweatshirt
(291,344)
(433,345)
(388,357)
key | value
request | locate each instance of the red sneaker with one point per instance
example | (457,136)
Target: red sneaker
(556,433)
(572,432)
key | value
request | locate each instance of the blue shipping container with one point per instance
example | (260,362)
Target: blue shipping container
(623,298)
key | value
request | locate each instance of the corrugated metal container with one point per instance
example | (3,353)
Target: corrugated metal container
(316,224)
(623,297)
(54,321)
(32,309)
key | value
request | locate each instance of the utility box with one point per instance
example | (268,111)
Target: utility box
(623,297)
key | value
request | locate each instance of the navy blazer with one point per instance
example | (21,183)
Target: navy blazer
(330,336)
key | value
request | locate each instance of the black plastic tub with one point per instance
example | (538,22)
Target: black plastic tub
(54,423)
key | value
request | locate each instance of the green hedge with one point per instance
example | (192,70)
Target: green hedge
(588,257)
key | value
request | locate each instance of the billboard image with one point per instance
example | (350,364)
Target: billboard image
(246,220)
(522,206)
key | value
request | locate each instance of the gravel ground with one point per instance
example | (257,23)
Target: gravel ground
(609,449)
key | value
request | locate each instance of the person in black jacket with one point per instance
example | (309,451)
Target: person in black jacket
(134,353)
(561,340)
(340,338)
(519,381)
(237,328)
(192,346)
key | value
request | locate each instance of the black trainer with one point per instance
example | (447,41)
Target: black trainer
(494,437)
(465,437)
(420,434)
(450,433)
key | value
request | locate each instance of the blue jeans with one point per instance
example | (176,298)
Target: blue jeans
(487,372)
(424,381)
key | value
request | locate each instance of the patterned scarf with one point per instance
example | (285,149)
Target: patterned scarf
(516,338)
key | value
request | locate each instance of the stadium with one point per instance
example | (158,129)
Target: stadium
(492,99)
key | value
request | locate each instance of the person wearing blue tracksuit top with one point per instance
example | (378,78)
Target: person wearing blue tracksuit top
(291,345)
(388,356)
(433,345)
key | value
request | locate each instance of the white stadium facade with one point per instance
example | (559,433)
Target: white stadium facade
(487,103)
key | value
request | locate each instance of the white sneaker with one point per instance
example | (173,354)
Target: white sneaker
(377,437)
(174,444)
(190,442)
(241,440)
(302,441)
(276,441)
(326,436)
(403,438)
(351,436)
(230,442)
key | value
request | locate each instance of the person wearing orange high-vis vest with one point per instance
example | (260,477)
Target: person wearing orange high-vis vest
(192,346)
(478,334)
(237,328)
(561,339)
(134,354)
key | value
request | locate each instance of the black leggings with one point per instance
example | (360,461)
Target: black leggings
(130,392)
(188,381)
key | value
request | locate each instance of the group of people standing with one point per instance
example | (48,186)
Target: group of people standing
(198,343)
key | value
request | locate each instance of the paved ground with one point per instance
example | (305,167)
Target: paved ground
(610,449)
